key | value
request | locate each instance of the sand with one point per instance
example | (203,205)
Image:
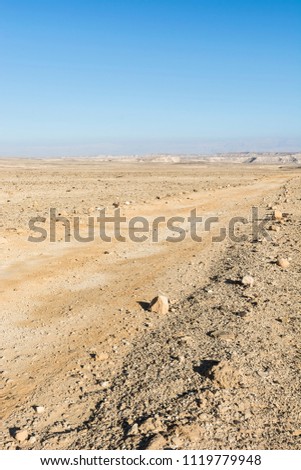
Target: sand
(77,338)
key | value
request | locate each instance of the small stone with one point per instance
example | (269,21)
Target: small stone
(133,431)
(159,305)
(153,425)
(105,384)
(225,375)
(101,356)
(21,435)
(190,432)
(248,281)
(177,441)
(274,228)
(277,215)
(283,263)
(39,409)
(224,336)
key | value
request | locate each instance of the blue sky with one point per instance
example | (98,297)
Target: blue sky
(141,76)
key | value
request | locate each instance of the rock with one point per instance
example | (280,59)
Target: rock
(191,433)
(224,335)
(105,384)
(39,409)
(277,215)
(159,305)
(156,443)
(177,441)
(21,435)
(153,425)
(181,359)
(274,228)
(225,375)
(247,281)
(283,263)
(101,356)
(133,431)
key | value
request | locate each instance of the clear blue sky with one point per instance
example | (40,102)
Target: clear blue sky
(138,76)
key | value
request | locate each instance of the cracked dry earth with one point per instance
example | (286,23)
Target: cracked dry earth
(221,370)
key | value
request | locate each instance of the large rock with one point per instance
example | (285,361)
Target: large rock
(159,305)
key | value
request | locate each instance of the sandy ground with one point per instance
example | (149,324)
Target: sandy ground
(220,370)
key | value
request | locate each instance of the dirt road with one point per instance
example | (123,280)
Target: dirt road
(76,338)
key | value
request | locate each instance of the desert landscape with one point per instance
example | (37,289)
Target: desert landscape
(86,363)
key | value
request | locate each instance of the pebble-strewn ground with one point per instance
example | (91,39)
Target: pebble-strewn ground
(221,370)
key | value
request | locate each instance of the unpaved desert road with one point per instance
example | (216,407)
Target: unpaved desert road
(63,305)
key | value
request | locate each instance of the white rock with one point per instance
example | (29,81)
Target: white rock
(105,384)
(39,409)
(248,281)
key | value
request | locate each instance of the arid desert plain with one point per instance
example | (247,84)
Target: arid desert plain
(85,363)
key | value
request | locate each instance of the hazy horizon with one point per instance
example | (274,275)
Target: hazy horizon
(177,148)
